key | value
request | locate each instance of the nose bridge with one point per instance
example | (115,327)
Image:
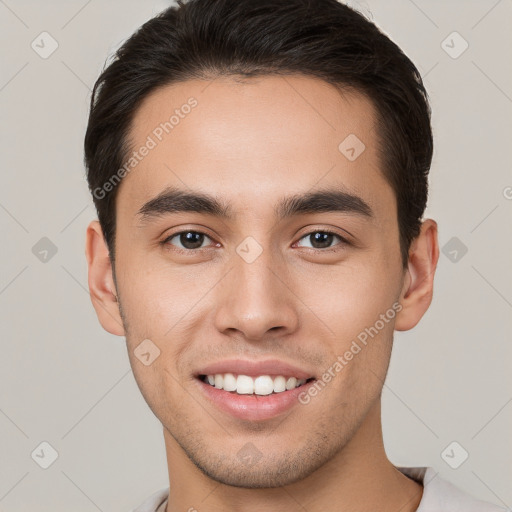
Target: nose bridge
(255,270)
(254,297)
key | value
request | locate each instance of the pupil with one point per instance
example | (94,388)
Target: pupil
(191,239)
(324,239)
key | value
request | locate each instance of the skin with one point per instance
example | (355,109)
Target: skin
(251,143)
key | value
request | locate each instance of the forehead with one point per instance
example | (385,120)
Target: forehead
(253,140)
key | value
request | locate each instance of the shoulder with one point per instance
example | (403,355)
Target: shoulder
(153,502)
(439,495)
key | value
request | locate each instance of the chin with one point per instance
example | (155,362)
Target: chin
(252,472)
(245,478)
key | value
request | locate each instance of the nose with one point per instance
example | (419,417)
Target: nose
(256,298)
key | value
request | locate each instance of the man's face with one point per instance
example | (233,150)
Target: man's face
(259,286)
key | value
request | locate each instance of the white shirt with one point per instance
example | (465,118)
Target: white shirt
(439,495)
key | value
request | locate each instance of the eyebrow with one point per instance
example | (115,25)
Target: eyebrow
(175,200)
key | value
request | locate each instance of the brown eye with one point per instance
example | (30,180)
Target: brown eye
(322,239)
(189,240)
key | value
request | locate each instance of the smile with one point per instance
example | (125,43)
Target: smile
(246,385)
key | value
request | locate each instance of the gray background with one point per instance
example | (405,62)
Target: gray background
(65,381)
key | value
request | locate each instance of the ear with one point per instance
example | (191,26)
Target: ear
(102,288)
(417,290)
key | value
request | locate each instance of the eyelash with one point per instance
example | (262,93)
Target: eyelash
(166,243)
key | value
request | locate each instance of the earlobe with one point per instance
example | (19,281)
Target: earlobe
(418,285)
(100,279)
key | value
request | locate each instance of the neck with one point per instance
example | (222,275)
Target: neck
(359,478)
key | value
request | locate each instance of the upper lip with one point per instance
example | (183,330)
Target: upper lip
(255,368)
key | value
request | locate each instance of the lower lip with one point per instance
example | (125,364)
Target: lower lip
(253,407)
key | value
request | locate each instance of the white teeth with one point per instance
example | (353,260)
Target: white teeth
(229,382)
(291,383)
(244,385)
(261,385)
(279,384)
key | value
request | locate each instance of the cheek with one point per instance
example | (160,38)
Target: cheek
(156,297)
(349,299)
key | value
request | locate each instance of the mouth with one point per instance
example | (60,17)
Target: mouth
(261,385)
(253,391)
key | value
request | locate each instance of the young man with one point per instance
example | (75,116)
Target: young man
(260,171)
